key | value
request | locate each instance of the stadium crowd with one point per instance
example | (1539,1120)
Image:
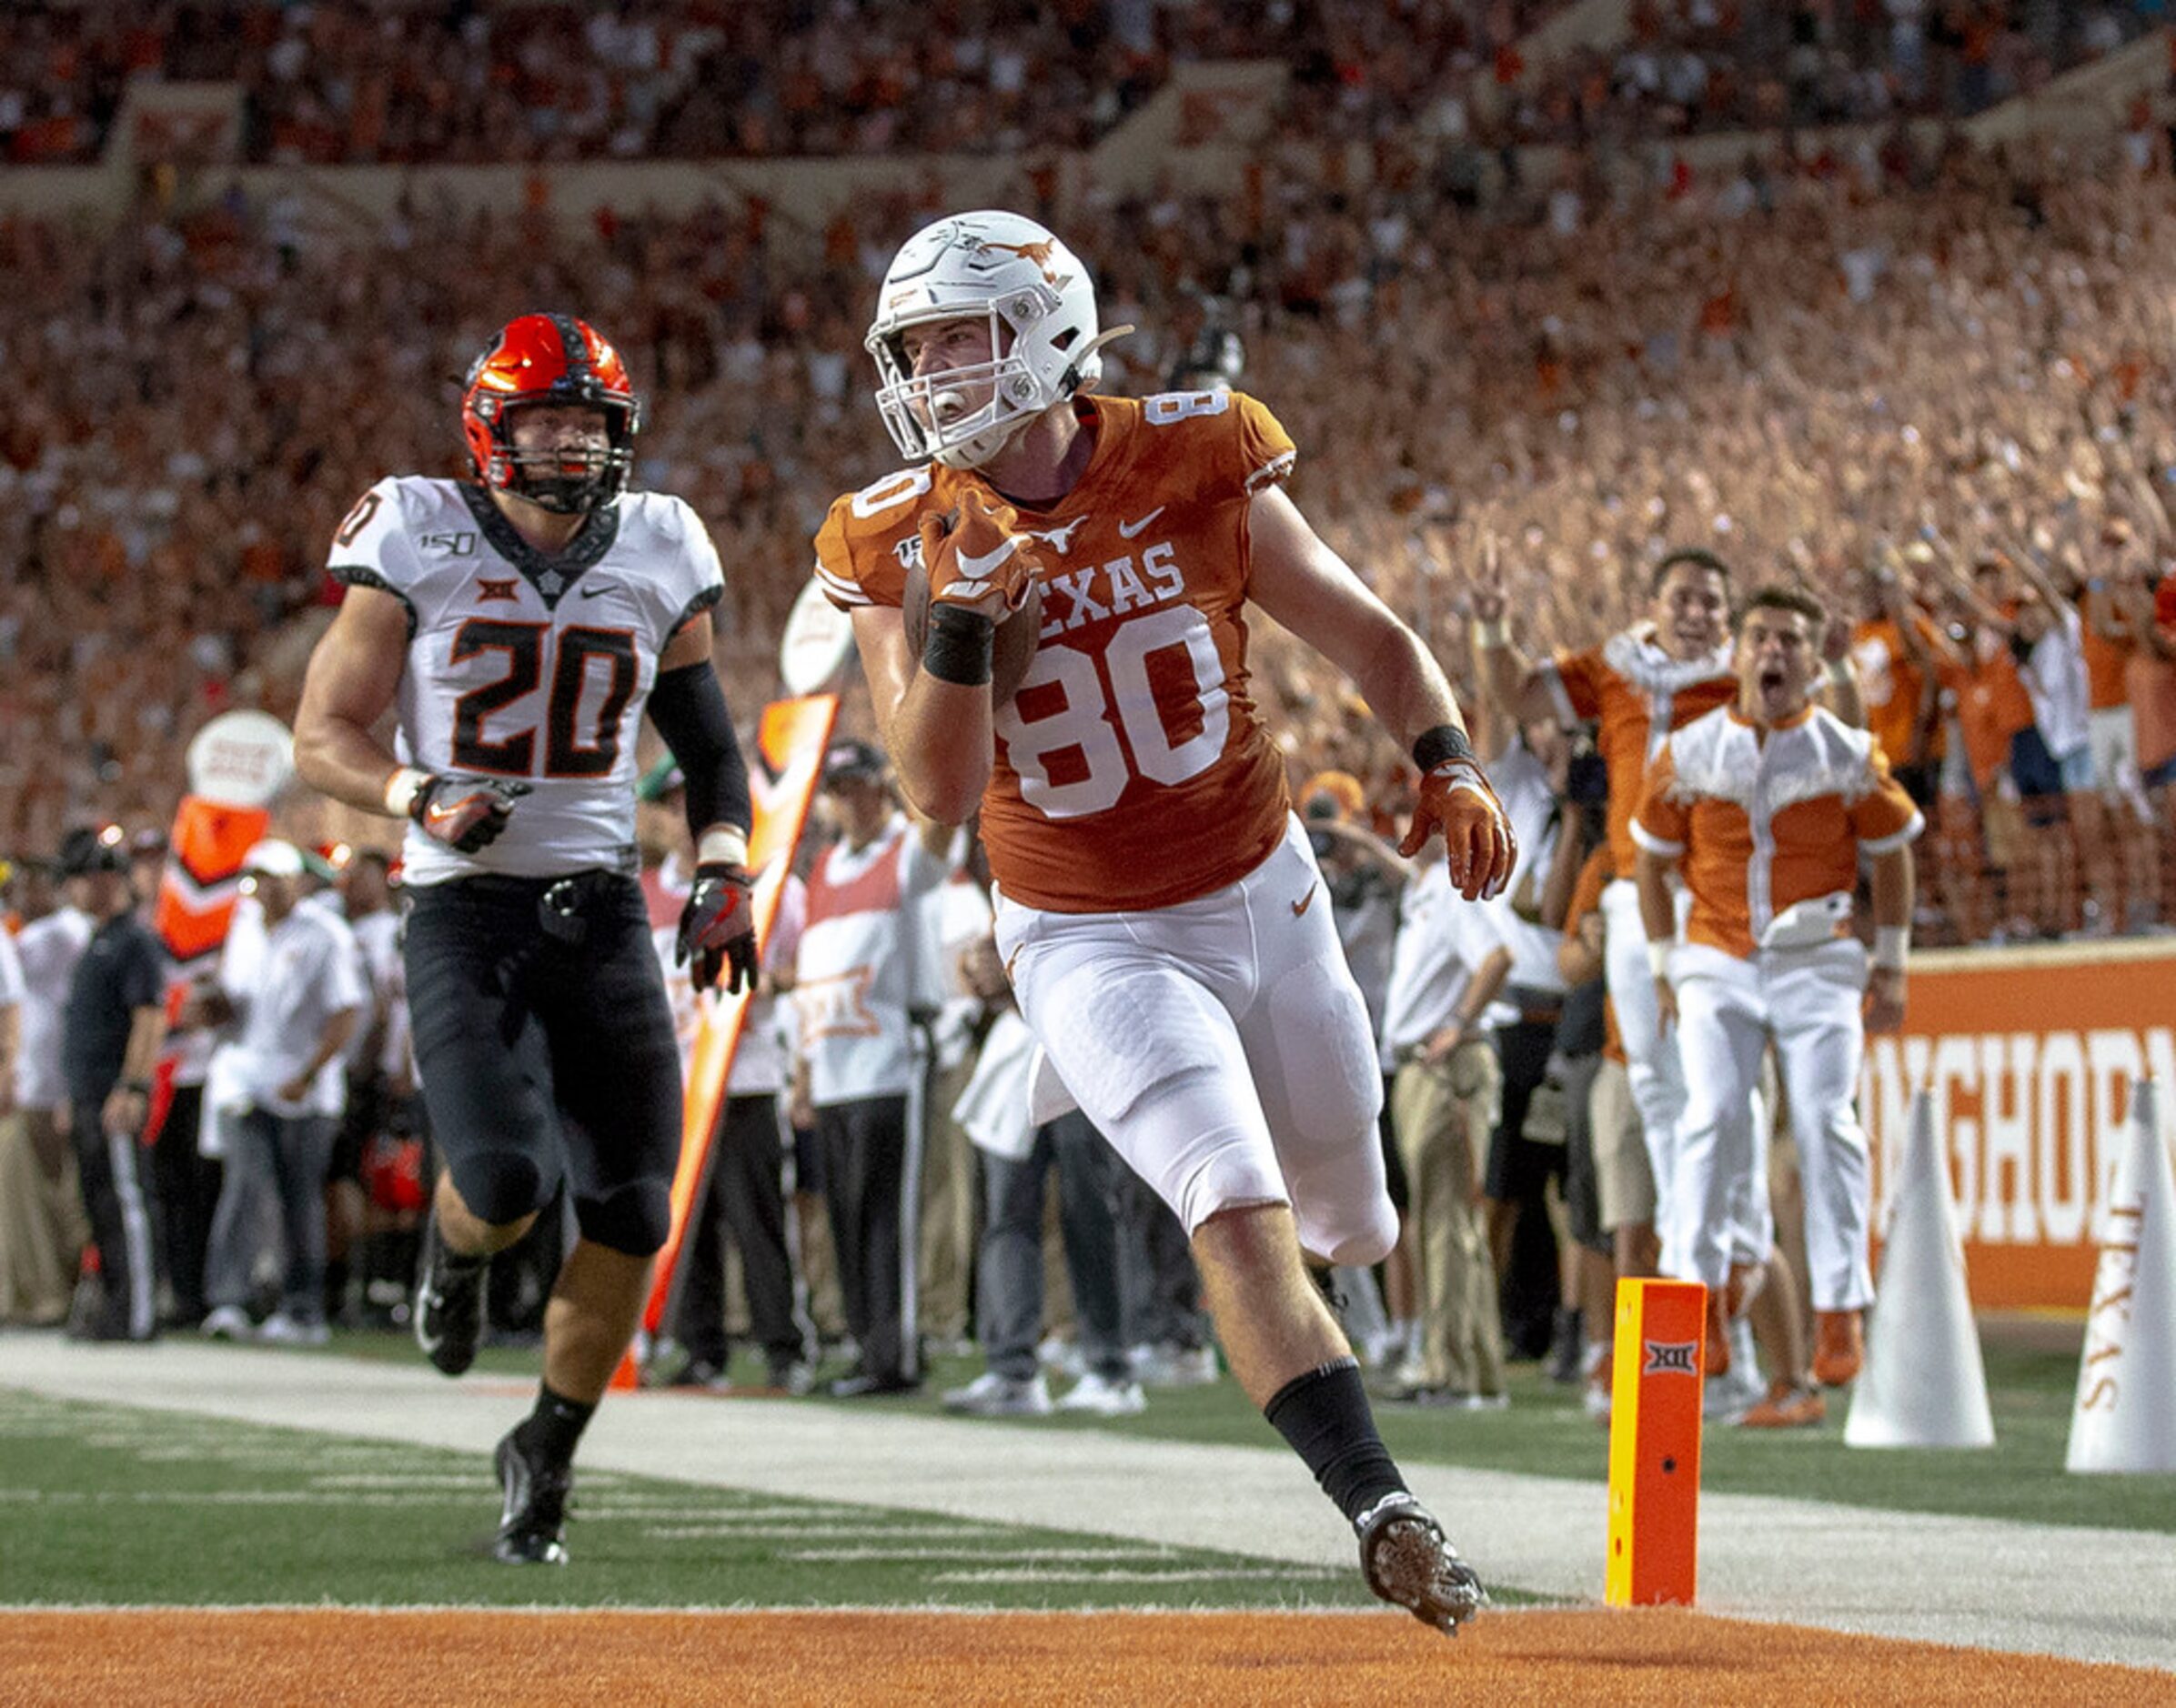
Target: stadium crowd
(1929,382)
(1807,369)
(1700,66)
(333,83)
(499,80)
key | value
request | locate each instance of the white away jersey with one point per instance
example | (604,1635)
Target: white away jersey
(525,666)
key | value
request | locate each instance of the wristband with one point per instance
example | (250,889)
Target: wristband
(1659,958)
(722,845)
(1440,745)
(958,646)
(1892,944)
(402,788)
(140,1088)
(1492,636)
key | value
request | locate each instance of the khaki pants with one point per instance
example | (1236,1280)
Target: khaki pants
(948,1206)
(43,1228)
(1443,1114)
(1623,1179)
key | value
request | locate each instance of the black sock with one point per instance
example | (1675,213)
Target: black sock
(552,1429)
(1325,1415)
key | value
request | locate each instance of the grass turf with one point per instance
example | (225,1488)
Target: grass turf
(2031,1374)
(104,1505)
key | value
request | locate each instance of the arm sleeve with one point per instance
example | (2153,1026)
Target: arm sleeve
(1885,816)
(345,987)
(706,584)
(1586,894)
(868,537)
(688,710)
(1660,823)
(1574,684)
(143,984)
(1267,454)
(370,548)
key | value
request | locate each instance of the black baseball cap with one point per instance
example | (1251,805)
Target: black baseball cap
(848,759)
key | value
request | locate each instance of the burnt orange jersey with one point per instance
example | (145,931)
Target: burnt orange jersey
(1638,694)
(1891,682)
(1770,830)
(1991,706)
(2104,662)
(1133,768)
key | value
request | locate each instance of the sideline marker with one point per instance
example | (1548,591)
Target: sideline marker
(1656,1382)
(2125,1415)
(1925,1383)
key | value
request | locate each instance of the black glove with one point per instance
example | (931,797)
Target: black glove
(717,927)
(466,813)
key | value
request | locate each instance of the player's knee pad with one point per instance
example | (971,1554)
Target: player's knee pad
(500,1187)
(1200,1153)
(635,1219)
(1344,1214)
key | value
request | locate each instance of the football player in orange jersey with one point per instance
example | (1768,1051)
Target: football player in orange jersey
(1158,907)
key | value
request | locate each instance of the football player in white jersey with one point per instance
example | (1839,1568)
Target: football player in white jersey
(521,623)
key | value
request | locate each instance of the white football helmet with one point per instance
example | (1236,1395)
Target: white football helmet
(1041,306)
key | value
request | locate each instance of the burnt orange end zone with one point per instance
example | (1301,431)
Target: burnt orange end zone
(1665,1657)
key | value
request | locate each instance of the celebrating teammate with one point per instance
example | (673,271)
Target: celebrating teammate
(1766,806)
(1639,685)
(1159,909)
(522,623)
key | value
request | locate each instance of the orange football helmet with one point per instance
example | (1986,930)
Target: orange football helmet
(553,360)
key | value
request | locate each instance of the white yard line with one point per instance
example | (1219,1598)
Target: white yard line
(2085,1594)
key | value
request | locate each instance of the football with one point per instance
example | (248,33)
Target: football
(1017,635)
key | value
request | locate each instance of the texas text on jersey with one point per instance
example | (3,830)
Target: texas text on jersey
(525,666)
(1133,770)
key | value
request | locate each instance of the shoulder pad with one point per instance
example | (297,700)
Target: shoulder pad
(1241,445)
(871,538)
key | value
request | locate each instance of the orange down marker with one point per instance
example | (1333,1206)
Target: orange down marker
(1656,1385)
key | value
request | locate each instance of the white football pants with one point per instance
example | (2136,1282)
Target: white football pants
(1221,1047)
(1658,1077)
(1808,1001)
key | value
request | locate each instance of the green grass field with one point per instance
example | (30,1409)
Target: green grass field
(2032,1385)
(107,1504)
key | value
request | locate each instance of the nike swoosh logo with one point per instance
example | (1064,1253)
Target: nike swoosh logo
(610,586)
(973,568)
(1305,902)
(1126,530)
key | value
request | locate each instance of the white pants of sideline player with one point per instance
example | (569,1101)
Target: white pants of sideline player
(1651,1064)
(1657,1081)
(1221,1047)
(1808,1001)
